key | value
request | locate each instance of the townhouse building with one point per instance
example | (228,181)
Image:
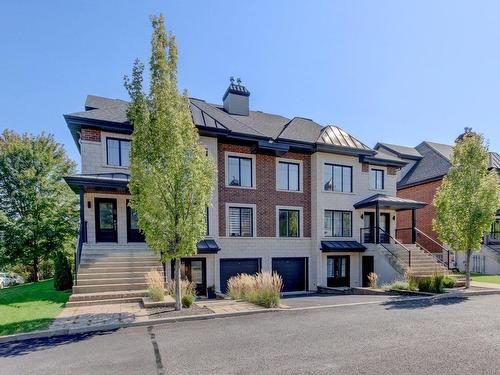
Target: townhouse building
(311,202)
(427,164)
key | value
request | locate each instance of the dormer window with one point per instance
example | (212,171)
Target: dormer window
(118,152)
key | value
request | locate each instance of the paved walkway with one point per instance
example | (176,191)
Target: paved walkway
(479,284)
(221,306)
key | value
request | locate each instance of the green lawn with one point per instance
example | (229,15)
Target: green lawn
(495,279)
(30,307)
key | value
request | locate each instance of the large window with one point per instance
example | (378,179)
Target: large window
(337,178)
(239,171)
(240,222)
(118,152)
(288,176)
(289,223)
(377,179)
(338,223)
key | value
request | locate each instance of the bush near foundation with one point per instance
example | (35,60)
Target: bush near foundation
(263,288)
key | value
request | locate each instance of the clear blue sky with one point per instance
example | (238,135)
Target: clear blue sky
(391,71)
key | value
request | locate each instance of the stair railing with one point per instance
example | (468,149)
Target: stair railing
(372,233)
(81,239)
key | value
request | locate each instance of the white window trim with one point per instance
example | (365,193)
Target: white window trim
(254,218)
(227,154)
(301,174)
(301,221)
(384,178)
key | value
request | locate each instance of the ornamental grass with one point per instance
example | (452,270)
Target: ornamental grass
(263,288)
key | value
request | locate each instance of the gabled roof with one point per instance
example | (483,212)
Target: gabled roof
(333,135)
(400,151)
(301,129)
(494,160)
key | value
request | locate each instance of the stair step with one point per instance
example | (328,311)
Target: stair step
(111,263)
(119,258)
(101,296)
(111,281)
(99,269)
(112,275)
(83,289)
(103,302)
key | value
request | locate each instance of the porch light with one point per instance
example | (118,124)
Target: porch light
(362,216)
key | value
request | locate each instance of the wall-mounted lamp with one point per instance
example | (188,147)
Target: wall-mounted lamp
(394,217)
(89,204)
(362,216)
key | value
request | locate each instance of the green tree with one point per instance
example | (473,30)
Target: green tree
(38,211)
(468,198)
(172,178)
(63,279)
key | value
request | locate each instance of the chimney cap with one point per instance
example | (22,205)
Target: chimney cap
(236,88)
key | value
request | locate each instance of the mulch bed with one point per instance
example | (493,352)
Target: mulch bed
(169,312)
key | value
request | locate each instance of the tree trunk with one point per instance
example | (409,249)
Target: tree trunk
(177,271)
(34,275)
(467,270)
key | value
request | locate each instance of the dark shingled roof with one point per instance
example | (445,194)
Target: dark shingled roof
(494,160)
(106,112)
(400,151)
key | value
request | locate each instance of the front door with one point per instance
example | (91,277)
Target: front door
(194,270)
(385,225)
(369,227)
(133,232)
(105,220)
(367,267)
(338,271)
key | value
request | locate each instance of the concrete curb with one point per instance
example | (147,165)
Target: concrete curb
(115,326)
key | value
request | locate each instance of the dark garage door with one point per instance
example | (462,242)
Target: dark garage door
(233,267)
(293,271)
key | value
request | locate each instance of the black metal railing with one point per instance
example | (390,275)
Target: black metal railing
(369,234)
(82,238)
(494,236)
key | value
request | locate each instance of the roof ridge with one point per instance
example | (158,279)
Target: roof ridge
(436,151)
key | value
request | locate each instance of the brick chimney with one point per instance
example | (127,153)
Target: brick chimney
(236,98)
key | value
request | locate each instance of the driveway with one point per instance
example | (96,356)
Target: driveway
(397,337)
(316,299)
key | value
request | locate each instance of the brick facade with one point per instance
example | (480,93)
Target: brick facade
(92,135)
(264,196)
(423,193)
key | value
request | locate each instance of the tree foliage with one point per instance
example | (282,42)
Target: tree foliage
(468,198)
(63,279)
(38,211)
(172,178)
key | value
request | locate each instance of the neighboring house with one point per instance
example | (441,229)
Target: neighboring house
(427,164)
(311,202)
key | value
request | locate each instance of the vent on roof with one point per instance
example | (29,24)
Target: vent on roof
(236,98)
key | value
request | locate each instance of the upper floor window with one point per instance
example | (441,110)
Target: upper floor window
(337,178)
(289,223)
(239,171)
(338,223)
(118,152)
(288,176)
(240,221)
(377,179)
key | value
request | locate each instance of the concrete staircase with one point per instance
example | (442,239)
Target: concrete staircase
(112,275)
(423,264)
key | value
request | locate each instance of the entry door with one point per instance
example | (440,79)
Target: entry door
(194,270)
(133,232)
(338,271)
(369,225)
(105,220)
(385,224)
(367,265)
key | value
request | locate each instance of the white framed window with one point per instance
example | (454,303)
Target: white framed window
(240,170)
(118,152)
(377,179)
(240,220)
(337,178)
(289,175)
(289,222)
(337,223)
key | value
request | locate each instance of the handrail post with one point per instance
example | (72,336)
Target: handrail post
(409,258)
(413,225)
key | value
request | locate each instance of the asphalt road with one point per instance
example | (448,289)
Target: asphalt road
(397,337)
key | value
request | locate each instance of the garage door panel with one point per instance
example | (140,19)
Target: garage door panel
(293,271)
(233,267)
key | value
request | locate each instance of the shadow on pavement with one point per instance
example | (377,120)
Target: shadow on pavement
(422,303)
(12,349)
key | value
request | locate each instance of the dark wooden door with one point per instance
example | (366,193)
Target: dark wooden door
(194,270)
(105,220)
(385,224)
(367,265)
(338,271)
(369,227)
(133,232)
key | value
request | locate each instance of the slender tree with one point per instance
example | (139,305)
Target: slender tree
(468,198)
(38,211)
(172,178)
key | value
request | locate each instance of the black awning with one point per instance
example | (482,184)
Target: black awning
(388,202)
(101,181)
(340,246)
(207,247)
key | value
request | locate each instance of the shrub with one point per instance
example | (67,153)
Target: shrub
(449,282)
(187,288)
(63,279)
(373,279)
(156,284)
(434,284)
(400,285)
(263,288)
(187,300)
